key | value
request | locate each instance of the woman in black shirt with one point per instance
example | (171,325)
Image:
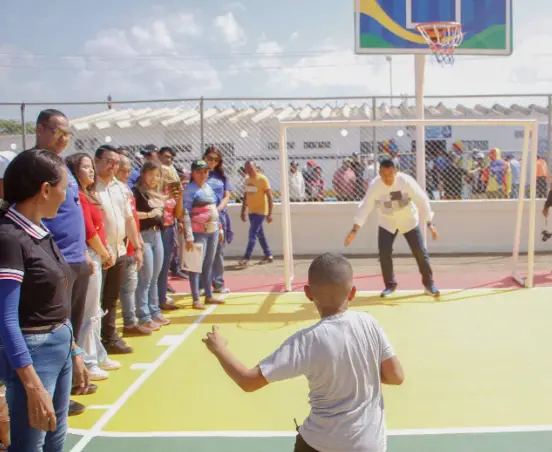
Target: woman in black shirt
(150,208)
(37,351)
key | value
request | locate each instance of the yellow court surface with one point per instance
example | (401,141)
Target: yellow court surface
(475,362)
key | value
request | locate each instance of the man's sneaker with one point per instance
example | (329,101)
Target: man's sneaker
(222,290)
(97,374)
(110,364)
(388,291)
(432,291)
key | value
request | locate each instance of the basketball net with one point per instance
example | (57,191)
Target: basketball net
(443,38)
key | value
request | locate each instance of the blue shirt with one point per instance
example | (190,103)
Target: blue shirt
(219,184)
(134,176)
(67,227)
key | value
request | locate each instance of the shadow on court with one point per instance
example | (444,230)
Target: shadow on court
(267,311)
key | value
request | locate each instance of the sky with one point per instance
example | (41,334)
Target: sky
(69,50)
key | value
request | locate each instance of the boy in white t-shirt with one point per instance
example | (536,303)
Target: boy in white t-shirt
(345,357)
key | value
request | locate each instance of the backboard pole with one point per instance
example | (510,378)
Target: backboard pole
(419,68)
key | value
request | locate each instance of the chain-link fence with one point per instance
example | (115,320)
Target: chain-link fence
(329,164)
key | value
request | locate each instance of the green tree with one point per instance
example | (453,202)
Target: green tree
(13,127)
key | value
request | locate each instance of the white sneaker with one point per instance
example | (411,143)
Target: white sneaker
(222,290)
(110,364)
(97,374)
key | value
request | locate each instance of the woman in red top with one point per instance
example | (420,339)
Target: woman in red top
(95,356)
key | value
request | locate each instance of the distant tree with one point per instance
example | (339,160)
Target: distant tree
(13,127)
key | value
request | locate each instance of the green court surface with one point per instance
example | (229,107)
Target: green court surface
(477,377)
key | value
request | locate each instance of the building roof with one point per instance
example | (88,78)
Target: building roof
(190,115)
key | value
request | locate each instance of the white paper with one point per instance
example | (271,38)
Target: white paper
(192,261)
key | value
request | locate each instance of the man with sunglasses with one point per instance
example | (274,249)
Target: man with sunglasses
(67,228)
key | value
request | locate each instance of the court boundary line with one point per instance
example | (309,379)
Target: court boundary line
(99,425)
(377,292)
(288,434)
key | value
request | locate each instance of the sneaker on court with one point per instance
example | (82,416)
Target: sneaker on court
(110,364)
(388,291)
(222,290)
(432,291)
(97,374)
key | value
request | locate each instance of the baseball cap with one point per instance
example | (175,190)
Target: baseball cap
(149,149)
(5,158)
(199,165)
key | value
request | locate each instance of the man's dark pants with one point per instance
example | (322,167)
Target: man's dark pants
(302,446)
(112,282)
(77,286)
(414,238)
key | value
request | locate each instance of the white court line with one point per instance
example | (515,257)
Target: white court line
(133,388)
(98,407)
(280,434)
(377,292)
(168,340)
(140,366)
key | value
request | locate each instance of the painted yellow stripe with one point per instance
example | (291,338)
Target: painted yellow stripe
(373,9)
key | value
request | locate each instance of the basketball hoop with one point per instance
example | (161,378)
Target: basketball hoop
(442,38)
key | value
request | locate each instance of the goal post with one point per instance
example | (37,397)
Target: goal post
(524,200)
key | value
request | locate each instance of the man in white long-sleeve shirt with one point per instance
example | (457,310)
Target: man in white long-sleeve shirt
(400,202)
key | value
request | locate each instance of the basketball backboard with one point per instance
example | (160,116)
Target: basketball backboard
(388,26)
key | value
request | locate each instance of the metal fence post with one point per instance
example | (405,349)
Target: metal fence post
(23,133)
(201,126)
(374,129)
(549,134)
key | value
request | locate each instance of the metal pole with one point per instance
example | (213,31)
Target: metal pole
(389,59)
(526,160)
(549,135)
(532,206)
(23,133)
(419,68)
(285,207)
(201,127)
(374,129)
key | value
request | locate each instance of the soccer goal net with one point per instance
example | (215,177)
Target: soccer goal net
(480,176)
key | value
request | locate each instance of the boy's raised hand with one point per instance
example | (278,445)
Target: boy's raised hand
(214,340)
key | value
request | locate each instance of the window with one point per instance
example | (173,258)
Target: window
(317,145)
(182,148)
(273,145)
(480,145)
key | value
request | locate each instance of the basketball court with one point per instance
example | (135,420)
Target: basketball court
(476,379)
(477,373)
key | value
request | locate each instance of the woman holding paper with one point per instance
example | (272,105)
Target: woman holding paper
(203,232)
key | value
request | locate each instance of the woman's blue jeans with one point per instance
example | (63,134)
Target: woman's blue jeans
(168,247)
(210,243)
(51,355)
(147,293)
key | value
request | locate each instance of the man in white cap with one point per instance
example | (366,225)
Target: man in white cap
(5,158)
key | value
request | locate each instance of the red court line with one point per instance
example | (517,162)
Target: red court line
(408,281)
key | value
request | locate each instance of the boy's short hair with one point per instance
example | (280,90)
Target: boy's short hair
(330,278)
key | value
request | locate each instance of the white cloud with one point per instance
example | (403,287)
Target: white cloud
(294,36)
(186,24)
(144,61)
(234,6)
(154,37)
(229,28)
(270,51)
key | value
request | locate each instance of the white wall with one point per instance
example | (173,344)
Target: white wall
(464,226)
